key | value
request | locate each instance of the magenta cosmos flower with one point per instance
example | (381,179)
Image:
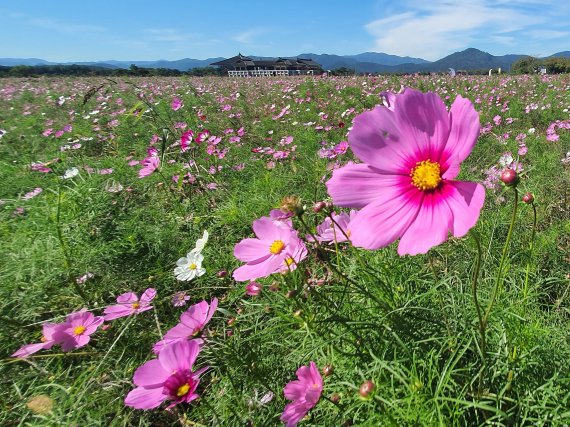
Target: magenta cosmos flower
(192,321)
(76,330)
(276,249)
(411,154)
(129,303)
(47,340)
(304,392)
(170,377)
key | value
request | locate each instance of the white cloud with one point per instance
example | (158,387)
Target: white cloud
(437,28)
(247,37)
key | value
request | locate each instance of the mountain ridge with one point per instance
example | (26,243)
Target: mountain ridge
(366,62)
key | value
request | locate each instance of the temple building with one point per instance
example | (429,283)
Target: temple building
(244,66)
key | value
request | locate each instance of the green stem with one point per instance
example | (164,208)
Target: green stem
(531,248)
(482,326)
(499,281)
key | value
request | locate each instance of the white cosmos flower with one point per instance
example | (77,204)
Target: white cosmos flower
(70,173)
(189,267)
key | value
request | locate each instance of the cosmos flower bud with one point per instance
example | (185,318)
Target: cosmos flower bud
(328,370)
(319,206)
(510,177)
(528,198)
(366,388)
(335,398)
(222,273)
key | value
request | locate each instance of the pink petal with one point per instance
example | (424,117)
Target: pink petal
(424,123)
(464,132)
(252,271)
(265,229)
(127,298)
(148,295)
(116,311)
(179,355)
(356,186)
(375,139)
(28,349)
(249,250)
(382,222)
(430,227)
(145,398)
(151,374)
(465,199)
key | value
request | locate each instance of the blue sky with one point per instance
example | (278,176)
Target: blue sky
(66,30)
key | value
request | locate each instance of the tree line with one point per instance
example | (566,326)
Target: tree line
(93,70)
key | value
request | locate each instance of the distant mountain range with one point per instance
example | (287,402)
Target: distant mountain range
(368,62)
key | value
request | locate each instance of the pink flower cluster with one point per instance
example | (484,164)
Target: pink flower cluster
(78,327)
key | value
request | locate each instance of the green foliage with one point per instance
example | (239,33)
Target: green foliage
(406,323)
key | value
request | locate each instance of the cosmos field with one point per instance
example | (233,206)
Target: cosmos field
(215,251)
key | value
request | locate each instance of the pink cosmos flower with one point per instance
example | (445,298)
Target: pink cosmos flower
(304,392)
(328,231)
(150,164)
(176,104)
(129,304)
(47,341)
(31,194)
(170,377)
(76,330)
(276,249)
(186,139)
(192,321)
(253,289)
(405,184)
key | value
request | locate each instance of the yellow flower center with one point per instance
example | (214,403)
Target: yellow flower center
(78,330)
(192,266)
(276,247)
(43,339)
(426,175)
(135,305)
(289,261)
(183,390)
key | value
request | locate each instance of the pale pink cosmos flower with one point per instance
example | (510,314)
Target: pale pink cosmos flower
(76,330)
(192,321)
(176,104)
(168,378)
(150,164)
(129,303)
(31,194)
(304,392)
(328,231)
(46,342)
(405,186)
(277,249)
(253,289)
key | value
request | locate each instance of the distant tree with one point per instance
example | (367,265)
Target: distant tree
(526,65)
(557,65)
(343,71)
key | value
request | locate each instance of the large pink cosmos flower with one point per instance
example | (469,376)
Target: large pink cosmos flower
(47,341)
(170,377)
(304,392)
(129,304)
(192,321)
(411,153)
(277,248)
(76,330)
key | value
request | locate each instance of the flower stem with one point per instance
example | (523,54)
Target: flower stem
(499,281)
(531,248)
(482,326)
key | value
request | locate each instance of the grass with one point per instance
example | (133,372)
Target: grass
(408,324)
